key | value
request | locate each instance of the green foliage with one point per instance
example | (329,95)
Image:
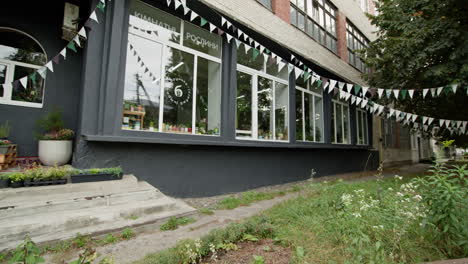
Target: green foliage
(16,176)
(246,198)
(258,260)
(27,253)
(249,237)
(447,143)
(86,257)
(127,233)
(205,211)
(116,171)
(51,123)
(80,240)
(174,222)
(446,196)
(227,246)
(109,239)
(5,129)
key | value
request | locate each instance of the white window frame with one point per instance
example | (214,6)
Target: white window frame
(165,44)
(335,139)
(314,94)
(364,127)
(254,127)
(9,77)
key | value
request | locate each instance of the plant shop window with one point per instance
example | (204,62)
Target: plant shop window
(340,122)
(262,97)
(361,127)
(20,56)
(309,111)
(317,18)
(356,41)
(172,76)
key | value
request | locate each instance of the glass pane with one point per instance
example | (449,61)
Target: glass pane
(265,106)
(208,107)
(333,125)
(346,124)
(281,111)
(154,22)
(339,124)
(249,58)
(299,120)
(318,118)
(142,84)
(244,105)
(310,27)
(316,32)
(293,15)
(266,3)
(300,4)
(321,17)
(272,69)
(359,128)
(34,90)
(178,91)
(309,116)
(310,9)
(3,72)
(17,46)
(301,21)
(202,40)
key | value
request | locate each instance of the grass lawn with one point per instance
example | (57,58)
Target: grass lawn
(374,221)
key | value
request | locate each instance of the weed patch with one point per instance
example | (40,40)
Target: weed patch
(174,222)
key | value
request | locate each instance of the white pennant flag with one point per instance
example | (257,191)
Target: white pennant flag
(228,37)
(280,65)
(411,92)
(297,72)
(414,117)
(64,53)
(397,114)
(265,57)
(246,37)
(454,88)
(238,42)
(256,44)
(223,21)
(212,27)
(43,72)
(193,15)
(430,120)
(347,96)
(395,92)
(177,4)
(408,116)
(292,58)
(349,87)
(433,92)
(392,111)
(364,90)
(381,108)
(229,24)
(441,122)
(459,124)
(24,82)
(326,86)
(49,66)
(439,90)
(341,85)
(82,32)
(358,100)
(353,99)
(186,9)
(262,49)
(247,48)
(364,103)
(332,85)
(77,40)
(424,119)
(425,92)
(94,17)
(447,123)
(239,33)
(168,2)
(290,68)
(380,92)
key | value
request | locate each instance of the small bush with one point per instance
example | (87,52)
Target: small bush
(174,222)
(127,233)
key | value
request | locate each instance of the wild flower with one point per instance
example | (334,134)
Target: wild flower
(347,199)
(356,215)
(400,194)
(398,177)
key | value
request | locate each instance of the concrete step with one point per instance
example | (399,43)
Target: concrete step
(59,212)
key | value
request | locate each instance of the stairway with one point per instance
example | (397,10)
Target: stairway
(58,212)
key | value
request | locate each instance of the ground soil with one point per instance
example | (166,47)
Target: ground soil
(271,253)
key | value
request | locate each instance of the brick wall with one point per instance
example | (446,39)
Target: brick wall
(281,8)
(341,36)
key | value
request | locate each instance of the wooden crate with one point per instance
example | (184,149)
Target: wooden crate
(8,160)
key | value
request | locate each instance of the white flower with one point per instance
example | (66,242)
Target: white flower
(417,197)
(390,189)
(356,214)
(347,199)
(398,177)
(400,194)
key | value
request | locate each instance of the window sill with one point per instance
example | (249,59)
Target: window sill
(208,142)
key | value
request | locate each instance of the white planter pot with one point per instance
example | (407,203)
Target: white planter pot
(55,152)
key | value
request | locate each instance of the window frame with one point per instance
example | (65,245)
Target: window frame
(334,137)
(255,74)
(269,7)
(166,44)
(314,94)
(321,14)
(364,127)
(355,38)
(6,99)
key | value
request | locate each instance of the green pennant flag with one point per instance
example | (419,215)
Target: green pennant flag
(306,75)
(403,93)
(267,51)
(447,90)
(357,88)
(255,53)
(306,68)
(203,21)
(101,6)
(32,77)
(71,45)
(319,83)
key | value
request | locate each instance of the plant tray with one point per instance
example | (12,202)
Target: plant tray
(79,178)
(44,183)
(3,183)
(16,184)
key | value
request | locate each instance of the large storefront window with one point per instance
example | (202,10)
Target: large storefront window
(340,122)
(262,98)
(172,76)
(309,112)
(317,18)
(361,127)
(20,56)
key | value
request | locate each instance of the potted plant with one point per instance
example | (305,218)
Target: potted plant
(16,179)
(39,176)
(96,174)
(55,142)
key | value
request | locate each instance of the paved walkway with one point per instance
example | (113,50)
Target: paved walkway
(150,239)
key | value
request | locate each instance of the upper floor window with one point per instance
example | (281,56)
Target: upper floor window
(317,18)
(356,41)
(266,3)
(20,56)
(262,99)
(172,75)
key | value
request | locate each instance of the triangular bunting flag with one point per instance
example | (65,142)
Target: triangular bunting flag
(229,37)
(212,27)
(357,88)
(380,92)
(223,21)
(430,120)
(433,92)
(229,25)
(193,15)
(203,21)
(403,94)
(43,72)
(454,88)
(82,32)
(425,92)
(388,93)
(280,65)
(353,99)
(392,111)
(297,72)
(239,33)
(49,66)
(94,17)
(395,93)
(290,68)
(349,87)
(424,119)
(439,90)
(255,53)
(414,117)
(332,84)
(63,52)
(341,85)
(358,100)
(364,90)
(238,42)
(71,45)
(411,92)
(347,96)
(177,4)
(441,122)
(24,82)
(364,103)
(77,40)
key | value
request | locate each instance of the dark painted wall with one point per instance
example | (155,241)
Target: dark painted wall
(190,171)
(43,21)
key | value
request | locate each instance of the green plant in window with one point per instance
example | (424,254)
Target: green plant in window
(5,130)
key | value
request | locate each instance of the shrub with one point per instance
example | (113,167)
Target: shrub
(51,127)
(27,252)
(127,233)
